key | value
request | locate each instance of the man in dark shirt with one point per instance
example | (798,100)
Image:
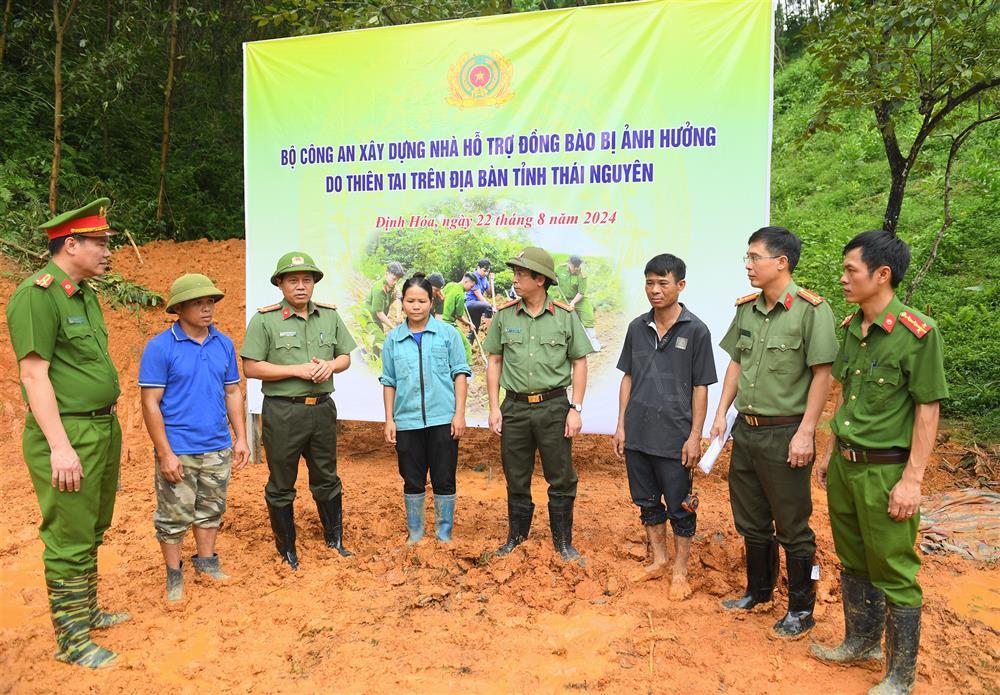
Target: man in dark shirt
(668,365)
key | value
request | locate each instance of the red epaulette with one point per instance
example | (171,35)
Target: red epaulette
(44,280)
(269,307)
(325,305)
(915,325)
(508,304)
(847,320)
(810,297)
(563,305)
(747,298)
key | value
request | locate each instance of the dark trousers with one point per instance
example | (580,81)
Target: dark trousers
(429,448)
(294,430)
(477,310)
(531,427)
(770,498)
(651,478)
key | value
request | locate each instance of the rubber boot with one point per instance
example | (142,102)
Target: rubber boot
(902,640)
(101,619)
(283,525)
(69,606)
(798,619)
(331,515)
(561,523)
(209,566)
(864,623)
(414,516)
(762,573)
(519,522)
(444,516)
(175,583)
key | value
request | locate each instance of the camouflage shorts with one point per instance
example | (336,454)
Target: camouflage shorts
(199,499)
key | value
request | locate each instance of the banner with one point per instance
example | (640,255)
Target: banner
(611,133)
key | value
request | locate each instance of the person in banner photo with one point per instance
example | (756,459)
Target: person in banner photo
(477,298)
(781,344)
(72,440)
(537,348)
(425,381)
(454,313)
(663,399)
(891,370)
(437,284)
(379,300)
(572,289)
(295,347)
(190,396)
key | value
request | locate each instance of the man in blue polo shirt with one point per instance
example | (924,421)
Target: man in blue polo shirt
(476,299)
(190,386)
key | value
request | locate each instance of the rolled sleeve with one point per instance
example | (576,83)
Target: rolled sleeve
(388,377)
(153,366)
(456,354)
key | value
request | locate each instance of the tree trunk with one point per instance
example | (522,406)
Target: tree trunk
(168,92)
(8,8)
(60,27)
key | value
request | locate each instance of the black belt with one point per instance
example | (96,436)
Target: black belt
(308,400)
(765,421)
(857,454)
(107,410)
(537,397)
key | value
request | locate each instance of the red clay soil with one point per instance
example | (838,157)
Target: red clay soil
(432,619)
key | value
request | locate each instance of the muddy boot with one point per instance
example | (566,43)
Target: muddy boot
(209,566)
(762,573)
(902,640)
(415,516)
(331,514)
(561,523)
(175,583)
(864,623)
(801,598)
(69,605)
(100,619)
(283,525)
(444,516)
(657,537)
(519,521)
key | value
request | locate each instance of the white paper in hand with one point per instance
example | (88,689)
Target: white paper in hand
(715,448)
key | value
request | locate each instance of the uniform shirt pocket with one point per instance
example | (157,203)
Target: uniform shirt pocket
(744,346)
(81,341)
(553,343)
(784,353)
(880,384)
(287,342)
(327,345)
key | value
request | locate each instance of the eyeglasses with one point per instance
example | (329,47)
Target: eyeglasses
(753,258)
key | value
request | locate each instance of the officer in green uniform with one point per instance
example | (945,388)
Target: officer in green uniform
(72,440)
(782,343)
(453,310)
(295,347)
(572,289)
(437,301)
(378,302)
(891,369)
(537,348)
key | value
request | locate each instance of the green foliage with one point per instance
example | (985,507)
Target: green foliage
(123,293)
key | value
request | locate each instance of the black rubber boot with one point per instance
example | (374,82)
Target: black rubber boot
(519,520)
(561,523)
(801,598)
(902,640)
(864,623)
(283,525)
(331,515)
(762,573)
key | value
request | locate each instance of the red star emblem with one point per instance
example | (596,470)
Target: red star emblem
(67,287)
(788,301)
(480,76)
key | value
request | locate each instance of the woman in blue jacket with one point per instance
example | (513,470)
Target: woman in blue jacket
(424,379)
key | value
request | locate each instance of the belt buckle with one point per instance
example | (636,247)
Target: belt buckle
(850,454)
(535,398)
(751,420)
(310,400)
(114,408)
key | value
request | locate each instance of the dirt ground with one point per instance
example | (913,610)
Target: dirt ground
(433,619)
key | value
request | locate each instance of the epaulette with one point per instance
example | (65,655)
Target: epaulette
(269,307)
(847,320)
(915,325)
(508,304)
(810,297)
(747,298)
(563,305)
(325,305)
(44,280)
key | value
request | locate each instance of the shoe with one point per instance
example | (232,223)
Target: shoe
(798,619)
(444,516)
(283,526)
(561,523)
(331,515)
(902,641)
(415,516)
(519,522)
(209,566)
(100,619)
(864,623)
(762,573)
(175,583)
(69,606)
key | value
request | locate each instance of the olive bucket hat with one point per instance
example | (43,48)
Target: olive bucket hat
(191,286)
(295,262)
(536,259)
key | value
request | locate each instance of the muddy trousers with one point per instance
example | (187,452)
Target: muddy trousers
(531,427)
(294,430)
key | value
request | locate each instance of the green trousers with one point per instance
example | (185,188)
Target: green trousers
(869,542)
(769,498)
(296,430)
(585,310)
(531,427)
(73,523)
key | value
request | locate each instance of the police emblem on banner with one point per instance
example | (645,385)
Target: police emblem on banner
(480,79)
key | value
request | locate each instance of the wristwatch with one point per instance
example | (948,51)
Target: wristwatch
(578,407)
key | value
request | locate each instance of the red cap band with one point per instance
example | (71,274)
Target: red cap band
(81,225)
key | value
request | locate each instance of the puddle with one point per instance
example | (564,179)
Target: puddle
(976,595)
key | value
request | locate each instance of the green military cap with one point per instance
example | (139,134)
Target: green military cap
(90,220)
(191,286)
(536,259)
(295,262)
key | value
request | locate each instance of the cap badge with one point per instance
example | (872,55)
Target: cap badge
(297,260)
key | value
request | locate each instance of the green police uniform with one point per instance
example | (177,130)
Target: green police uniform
(570,285)
(899,364)
(453,308)
(380,298)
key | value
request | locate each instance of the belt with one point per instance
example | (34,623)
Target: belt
(764,421)
(856,454)
(107,410)
(537,397)
(308,400)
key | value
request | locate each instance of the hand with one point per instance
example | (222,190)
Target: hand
(496,420)
(574,423)
(718,427)
(904,499)
(458,426)
(691,451)
(171,468)
(66,469)
(390,431)
(304,371)
(618,442)
(241,454)
(821,467)
(801,449)
(322,370)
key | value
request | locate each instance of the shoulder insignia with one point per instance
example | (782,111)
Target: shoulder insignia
(915,325)
(847,320)
(508,304)
(747,298)
(788,301)
(68,287)
(44,280)
(269,307)
(810,297)
(325,305)
(563,305)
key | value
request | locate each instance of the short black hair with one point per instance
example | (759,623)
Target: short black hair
(483,263)
(470,276)
(780,242)
(56,245)
(666,264)
(879,248)
(575,261)
(548,280)
(418,280)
